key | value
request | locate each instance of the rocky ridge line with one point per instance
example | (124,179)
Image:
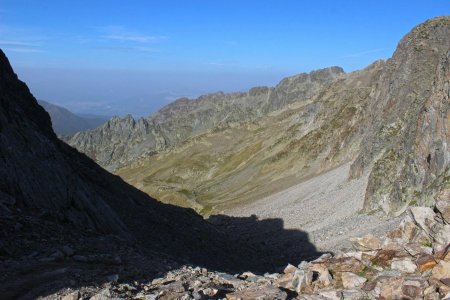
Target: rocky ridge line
(390,119)
(121,141)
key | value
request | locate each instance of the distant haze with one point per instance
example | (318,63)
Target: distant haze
(121,92)
(111,57)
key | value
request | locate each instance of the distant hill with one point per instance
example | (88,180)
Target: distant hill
(65,122)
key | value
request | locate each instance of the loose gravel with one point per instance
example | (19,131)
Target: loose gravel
(328,207)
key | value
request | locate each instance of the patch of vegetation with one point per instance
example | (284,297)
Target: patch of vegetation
(427,244)
(186,192)
(363,272)
(234,160)
(206,210)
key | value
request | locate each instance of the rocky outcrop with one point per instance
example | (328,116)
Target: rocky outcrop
(250,160)
(120,142)
(406,132)
(390,119)
(411,262)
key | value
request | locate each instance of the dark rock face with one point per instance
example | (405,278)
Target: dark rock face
(40,173)
(122,141)
(64,219)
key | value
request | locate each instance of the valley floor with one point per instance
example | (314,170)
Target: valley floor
(327,207)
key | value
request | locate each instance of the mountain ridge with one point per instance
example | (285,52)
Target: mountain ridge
(65,123)
(368,117)
(121,141)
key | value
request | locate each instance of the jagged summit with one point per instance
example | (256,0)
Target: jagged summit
(119,142)
(389,118)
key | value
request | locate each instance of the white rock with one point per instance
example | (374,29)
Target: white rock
(351,280)
(403,265)
(332,294)
(424,217)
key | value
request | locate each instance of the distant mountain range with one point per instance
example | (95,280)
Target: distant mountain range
(65,122)
(390,120)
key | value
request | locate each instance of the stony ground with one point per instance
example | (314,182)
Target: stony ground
(411,262)
(329,226)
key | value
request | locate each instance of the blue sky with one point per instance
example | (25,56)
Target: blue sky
(108,57)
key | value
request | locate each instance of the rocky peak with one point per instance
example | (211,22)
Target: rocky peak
(119,142)
(406,134)
(302,86)
(17,106)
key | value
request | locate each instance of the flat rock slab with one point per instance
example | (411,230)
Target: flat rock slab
(261,293)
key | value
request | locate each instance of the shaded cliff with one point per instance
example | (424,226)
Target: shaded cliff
(66,221)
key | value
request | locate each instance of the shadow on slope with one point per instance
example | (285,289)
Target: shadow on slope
(36,260)
(270,247)
(65,221)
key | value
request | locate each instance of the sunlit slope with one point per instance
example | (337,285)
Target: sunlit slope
(246,161)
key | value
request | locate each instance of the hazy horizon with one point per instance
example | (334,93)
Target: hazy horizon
(111,59)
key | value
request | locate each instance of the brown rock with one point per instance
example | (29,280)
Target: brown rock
(391,288)
(289,269)
(324,277)
(396,233)
(354,254)
(411,291)
(368,256)
(260,293)
(406,231)
(441,271)
(369,242)
(443,254)
(285,281)
(368,286)
(384,257)
(425,262)
(345,264)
